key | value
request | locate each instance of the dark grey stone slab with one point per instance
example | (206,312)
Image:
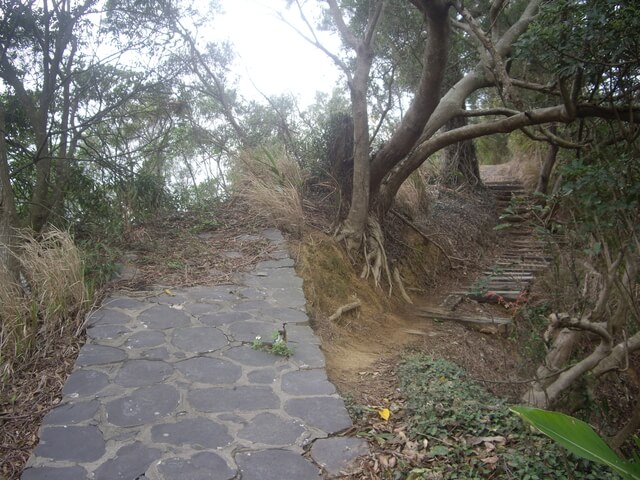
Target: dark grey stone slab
(199,339)
(203,294)
(275,465)
(199,431)
(75,443)
(85,382)
(271,429)
(276,278)
(281,263)
(274,235)
(293,297)
(71,413)
(107,332)
(144,405)
(105,316)
(163,316)
(279,254)
(124,303)
(138,373)
(302,334)
(248,331)
(286,315)
(91,354)
(325,413)
(160,353)
(336,454)
(246,355)
(250,294)
(263,376)
(243,399)
(247,305)
(146,339)
(130,463)
(202,466)
(210,370)
(51,473)
(218,319)
(165,299)
(307,354)
(201,308)
(307,382)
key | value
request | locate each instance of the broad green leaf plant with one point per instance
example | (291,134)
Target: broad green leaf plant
(579,438)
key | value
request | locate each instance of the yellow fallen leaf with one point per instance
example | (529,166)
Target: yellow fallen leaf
(169,292)
(385,413)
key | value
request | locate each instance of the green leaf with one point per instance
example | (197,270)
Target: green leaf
(502,226)
(438,450)
(577,437)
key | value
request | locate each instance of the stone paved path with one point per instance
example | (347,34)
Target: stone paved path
(169,388)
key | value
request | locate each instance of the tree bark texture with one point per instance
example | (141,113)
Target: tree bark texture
(460,164)
(8,214)
(340,154)
(547,168)
(427,97)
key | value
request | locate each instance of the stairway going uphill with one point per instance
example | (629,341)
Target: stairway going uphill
(523,256)
(520,256)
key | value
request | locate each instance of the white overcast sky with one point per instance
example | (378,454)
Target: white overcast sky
(271,54)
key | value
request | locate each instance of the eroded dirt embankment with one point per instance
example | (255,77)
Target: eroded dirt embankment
(438,253)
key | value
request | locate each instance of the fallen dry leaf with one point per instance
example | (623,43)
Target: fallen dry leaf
(491,460)
(385,413)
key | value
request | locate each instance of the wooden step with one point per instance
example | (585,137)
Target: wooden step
(495,296)
(478,322)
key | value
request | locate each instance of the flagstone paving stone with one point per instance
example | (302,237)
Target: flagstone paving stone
(168,386)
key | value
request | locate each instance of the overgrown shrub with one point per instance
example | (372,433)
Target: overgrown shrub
(472,435)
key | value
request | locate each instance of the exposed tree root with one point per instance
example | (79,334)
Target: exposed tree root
(375,256)
(398,279)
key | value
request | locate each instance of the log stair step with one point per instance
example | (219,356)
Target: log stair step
(479,322)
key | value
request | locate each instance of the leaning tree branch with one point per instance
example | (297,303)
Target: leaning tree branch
(374,19)
(347,35)
(313,40)
(549,88)
(507,112)
(598,328)
(518,121)
(495,61)
(558,140)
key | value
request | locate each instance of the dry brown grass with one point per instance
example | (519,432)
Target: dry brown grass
(415,198)
(50,304)
(271,184)
(526,160)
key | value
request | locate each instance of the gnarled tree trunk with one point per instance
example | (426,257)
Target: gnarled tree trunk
(8,215)
(460,163)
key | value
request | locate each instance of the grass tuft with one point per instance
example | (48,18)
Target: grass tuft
(271,183)
(48,303)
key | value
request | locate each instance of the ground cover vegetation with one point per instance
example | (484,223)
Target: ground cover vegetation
(103,148)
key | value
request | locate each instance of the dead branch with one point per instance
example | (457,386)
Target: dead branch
(344,309)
